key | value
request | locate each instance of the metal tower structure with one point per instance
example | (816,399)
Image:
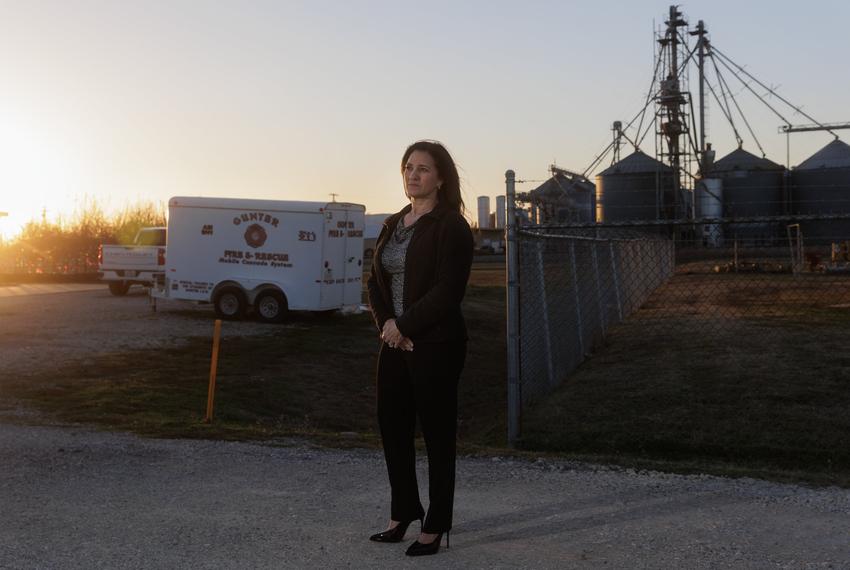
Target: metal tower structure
(673,108)
(702,52)
(678,121)
(617,129)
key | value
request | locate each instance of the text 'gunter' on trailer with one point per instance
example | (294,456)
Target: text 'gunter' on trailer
(271,255)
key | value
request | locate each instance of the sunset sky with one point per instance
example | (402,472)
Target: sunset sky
(122,101)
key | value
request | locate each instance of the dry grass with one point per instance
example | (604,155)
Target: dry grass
(760,395)
(68,246)
(717,372)
(313,377)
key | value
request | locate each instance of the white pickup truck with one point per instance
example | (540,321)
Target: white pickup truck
(124,265)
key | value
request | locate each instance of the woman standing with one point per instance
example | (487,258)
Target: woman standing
(419,273)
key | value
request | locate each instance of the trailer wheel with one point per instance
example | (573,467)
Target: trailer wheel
(119,288)
(271,306)
(229,303)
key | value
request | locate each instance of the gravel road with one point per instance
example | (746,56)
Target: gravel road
(75,498)
(41,331)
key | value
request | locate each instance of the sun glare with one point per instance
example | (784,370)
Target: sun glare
(37,175)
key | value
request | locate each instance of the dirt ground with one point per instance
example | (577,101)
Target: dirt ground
(42,332)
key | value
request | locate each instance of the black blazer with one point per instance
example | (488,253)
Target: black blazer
(436,270)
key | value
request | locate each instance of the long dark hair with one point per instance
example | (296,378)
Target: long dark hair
(449,192)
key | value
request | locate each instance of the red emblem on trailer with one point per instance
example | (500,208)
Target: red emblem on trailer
(255,235)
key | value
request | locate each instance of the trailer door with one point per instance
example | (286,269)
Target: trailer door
(355,224)
(333,259)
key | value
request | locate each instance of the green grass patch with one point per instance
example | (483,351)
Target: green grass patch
(763,400)
(764,397)
(314,376)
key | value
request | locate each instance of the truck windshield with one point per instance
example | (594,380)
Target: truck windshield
(151,237)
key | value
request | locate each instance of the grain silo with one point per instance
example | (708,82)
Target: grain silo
(566,197)
(821,185)
(500,211)
(483,212)
(709,197)
(635,188)
(752,187)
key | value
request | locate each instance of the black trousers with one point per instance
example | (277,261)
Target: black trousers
(423,384)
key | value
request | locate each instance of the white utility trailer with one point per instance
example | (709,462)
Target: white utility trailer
(271,255)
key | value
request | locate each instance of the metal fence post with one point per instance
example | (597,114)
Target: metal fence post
(512,290)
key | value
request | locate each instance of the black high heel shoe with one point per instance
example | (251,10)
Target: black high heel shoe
(395,534)
(419,549)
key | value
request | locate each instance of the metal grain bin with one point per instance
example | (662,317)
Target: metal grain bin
(635,188)
(484,212)
(564,198)
(821,185)
(752,187)
(500,212)
(709,194)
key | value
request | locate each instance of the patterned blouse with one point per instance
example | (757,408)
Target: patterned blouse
(393,260)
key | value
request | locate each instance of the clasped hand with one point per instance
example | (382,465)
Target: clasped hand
(393,337)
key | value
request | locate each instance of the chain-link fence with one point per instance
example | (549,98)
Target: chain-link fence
(572,285)
(574,288)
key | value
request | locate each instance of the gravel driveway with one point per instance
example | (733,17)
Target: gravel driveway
(41,331)
(79,499)
(74,498)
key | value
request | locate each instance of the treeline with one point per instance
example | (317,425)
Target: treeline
(70,246)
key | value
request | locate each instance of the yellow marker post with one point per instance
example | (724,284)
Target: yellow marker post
(213,369)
